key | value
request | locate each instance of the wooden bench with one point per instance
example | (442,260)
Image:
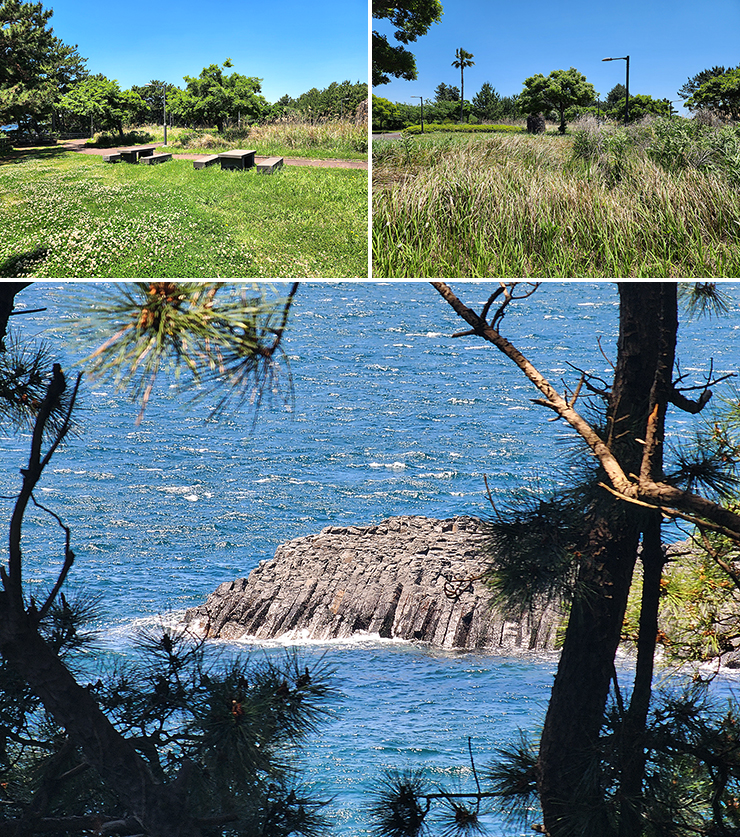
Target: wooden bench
(202,162)
(155,158)
(237,159)
(112,158)
(267,165)
(135,152)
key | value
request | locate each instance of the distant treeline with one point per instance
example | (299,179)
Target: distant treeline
(46,87)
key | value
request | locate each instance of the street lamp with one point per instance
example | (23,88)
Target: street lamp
(627,85)
(422,111)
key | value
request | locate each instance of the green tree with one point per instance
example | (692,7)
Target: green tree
(411,19)
(640,106)
(695,82)
(181,745)
(214,97)
(446,93)
(36,68)
(720,93)
(462,60)
(587,541)
(487,102)
(385,113)
(561,90)
(102,99)
(619,91)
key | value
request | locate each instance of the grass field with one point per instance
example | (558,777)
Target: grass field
(65,214)
(658,200)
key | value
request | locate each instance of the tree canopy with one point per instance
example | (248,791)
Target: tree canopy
(36,68)
(720,92)
(559,91)
(411,19)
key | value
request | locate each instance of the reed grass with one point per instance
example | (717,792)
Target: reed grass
(510,206)
(288,137)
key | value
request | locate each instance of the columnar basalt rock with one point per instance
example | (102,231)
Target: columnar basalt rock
(411,578)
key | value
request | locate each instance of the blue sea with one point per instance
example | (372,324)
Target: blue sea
(389,415)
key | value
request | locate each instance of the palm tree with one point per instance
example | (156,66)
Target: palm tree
(462,60)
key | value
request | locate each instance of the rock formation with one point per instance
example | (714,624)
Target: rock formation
(411,578)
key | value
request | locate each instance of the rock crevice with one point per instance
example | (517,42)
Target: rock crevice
(412,578)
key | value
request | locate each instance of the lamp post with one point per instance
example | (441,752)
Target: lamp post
(627,85)
(422,111)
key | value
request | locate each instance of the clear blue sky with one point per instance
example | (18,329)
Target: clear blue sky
(667,41)
(294,45)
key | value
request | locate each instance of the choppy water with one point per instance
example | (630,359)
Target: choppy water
(390,416)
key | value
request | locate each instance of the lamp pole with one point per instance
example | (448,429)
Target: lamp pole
(627,85)
(422,111)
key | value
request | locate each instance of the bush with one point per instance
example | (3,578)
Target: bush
(6,146)
(106,140)
(464,128)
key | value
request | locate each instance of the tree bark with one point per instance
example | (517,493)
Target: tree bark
(568,776)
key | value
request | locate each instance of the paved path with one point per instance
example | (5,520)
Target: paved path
(79,145)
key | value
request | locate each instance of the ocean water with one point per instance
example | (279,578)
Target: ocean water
(389,415)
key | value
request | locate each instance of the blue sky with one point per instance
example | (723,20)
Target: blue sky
(293,46)
(667,41)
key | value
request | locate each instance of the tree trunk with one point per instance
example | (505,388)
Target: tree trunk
(160,812)
(567,768)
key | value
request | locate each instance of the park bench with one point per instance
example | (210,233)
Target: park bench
(267,165)
(202,162)
(112,158)
(135,152)
(236,159)
(155,158)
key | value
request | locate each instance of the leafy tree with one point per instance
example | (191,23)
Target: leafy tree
(462,60)
(695,82)
(561,90)
(720,93)
(446,93)
(411,19)
(640,106)
(585,542)
(487,102)
(151,94)
(181,744)
(619,91)
(103,100)
(385,113)
(214,97)
(36,68)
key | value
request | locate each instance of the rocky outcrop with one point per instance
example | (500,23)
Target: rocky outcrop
(411,578)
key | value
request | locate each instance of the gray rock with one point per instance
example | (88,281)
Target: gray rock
(411,578)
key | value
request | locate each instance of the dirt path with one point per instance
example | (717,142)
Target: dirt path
(79,146)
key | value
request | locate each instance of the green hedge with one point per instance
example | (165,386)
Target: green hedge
(463,128)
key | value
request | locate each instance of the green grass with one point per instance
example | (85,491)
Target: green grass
(70,215)
(526,206)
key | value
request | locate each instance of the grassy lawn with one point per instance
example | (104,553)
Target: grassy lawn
(71,215)
(657,201)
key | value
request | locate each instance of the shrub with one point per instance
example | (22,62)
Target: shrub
(464,128)
(106,140)
(6,146)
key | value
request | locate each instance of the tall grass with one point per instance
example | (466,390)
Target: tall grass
(604,203)
(286,137)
